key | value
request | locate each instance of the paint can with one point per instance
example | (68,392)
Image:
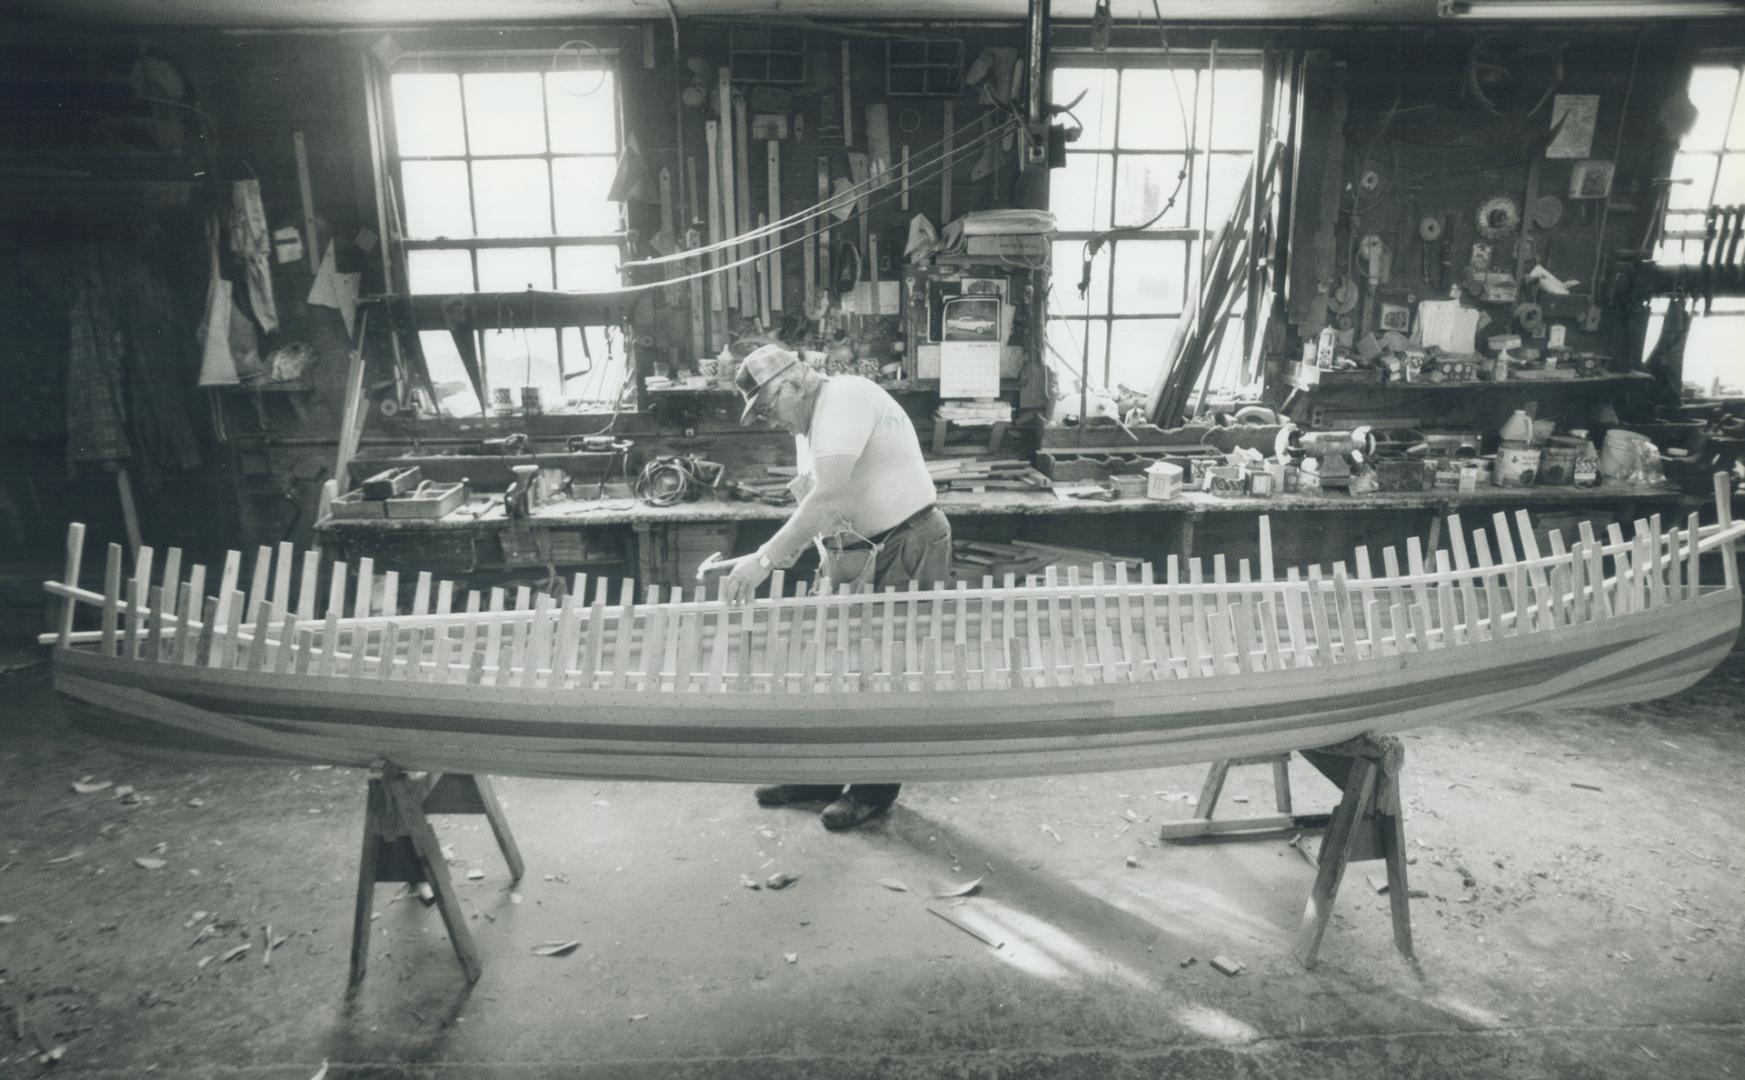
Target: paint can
(1515,467)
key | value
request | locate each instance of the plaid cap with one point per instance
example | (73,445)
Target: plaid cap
(758,371)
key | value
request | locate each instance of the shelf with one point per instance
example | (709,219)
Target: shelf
(1296,382)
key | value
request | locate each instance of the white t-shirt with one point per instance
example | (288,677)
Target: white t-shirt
(853,416)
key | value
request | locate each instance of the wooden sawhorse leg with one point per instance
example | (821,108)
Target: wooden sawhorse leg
(399,845)
(1366,825)
(1202,824)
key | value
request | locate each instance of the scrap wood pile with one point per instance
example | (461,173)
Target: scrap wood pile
(973,559)
(987,474)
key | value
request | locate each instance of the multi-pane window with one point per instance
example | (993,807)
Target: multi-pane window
(503,178)
(1711,158)
(1119,174)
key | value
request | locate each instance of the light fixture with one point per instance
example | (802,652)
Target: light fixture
(1590,9)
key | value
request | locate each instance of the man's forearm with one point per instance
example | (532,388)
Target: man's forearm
(814,514)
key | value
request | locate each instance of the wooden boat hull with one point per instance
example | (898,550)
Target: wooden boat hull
(888,736)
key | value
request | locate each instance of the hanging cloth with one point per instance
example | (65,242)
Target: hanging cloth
(252,246)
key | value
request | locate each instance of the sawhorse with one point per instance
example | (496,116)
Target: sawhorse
(1366,825)
(400,845)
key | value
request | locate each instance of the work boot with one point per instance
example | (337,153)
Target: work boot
(795,794)
(852,809)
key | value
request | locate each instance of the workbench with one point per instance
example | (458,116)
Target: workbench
(663,544)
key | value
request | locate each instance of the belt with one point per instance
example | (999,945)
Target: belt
(879,538)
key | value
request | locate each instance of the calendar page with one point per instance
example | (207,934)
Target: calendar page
(969,354)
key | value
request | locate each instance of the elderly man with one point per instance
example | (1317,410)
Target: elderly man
(864,487)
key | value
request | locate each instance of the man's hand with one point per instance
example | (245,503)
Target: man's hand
(741,585)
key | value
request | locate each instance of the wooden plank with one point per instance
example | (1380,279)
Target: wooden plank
(1266,570)
(1033,635)
(1692,577)
(70,577)
(1623,572)
(1452,632)
(1365,599)
(1220,599)
(1220,637)
(654,636)
(362,600)
(518,668)
(1198,644)
(154,626)
(1535,573)
(1415,566)
(594,650)
(1269,634)
(538,658)
(1600,606)
(257,591)
(306,640)
(187,642)
(307,584)
(1241,629)
(1559,578)
(1342,605)
(1293,605)
(720,640)
(1674,566)
(569,629)
(208,625)
(391,593)
(1421,615)
(282,567)
(326,663)
(1111,668)
(1197,603)
(1008,613)
(1390,564)
(262,629)
(1161,646)
(1318,616)
(1724,519)
(1651,536)
(284,653)
(624,644)
(421,594)
(684,662)
(172,581)
(137,600)
(1523,607)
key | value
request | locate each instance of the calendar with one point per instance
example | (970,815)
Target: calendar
(969,352)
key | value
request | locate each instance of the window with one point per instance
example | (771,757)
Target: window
(1120,173)
(503,181)
(1712,158)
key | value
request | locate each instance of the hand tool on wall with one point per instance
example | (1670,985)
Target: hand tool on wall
(904,204)
(729,200)
(765,273)
(847,106)
(774,163)
(824,223)
(947,145)
(717,288)
(748,292)
(666,241)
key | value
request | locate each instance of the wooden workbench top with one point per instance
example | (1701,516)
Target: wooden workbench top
(487,514)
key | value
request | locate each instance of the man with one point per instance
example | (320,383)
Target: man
(863,483)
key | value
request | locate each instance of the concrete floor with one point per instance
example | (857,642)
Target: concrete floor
(1564,932)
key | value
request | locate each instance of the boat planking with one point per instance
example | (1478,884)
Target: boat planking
(1074,672)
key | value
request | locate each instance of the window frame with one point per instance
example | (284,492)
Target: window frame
(1681,248)
(1190,235)
(537,61)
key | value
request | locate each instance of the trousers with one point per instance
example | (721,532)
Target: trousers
(919,551)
